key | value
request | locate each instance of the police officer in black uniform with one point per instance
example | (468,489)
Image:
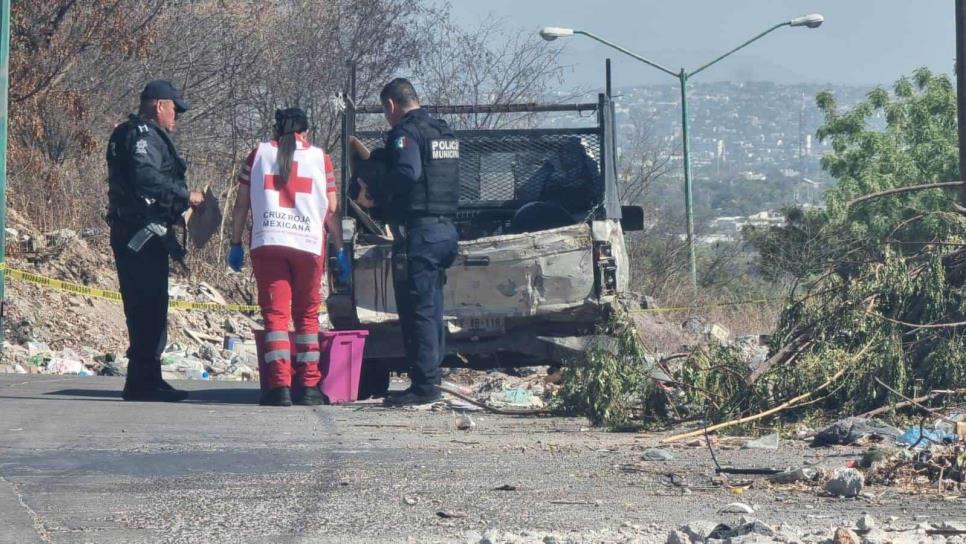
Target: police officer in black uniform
(147,186)
(420,190)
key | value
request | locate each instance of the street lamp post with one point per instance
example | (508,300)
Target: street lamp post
(551,33)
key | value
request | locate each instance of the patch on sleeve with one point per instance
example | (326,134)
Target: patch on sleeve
(141,147)
(400,142)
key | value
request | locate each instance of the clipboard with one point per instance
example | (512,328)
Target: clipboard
(205,221)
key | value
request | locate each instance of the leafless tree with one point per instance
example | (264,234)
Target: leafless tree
(488,64)
(643,160)
(77,68)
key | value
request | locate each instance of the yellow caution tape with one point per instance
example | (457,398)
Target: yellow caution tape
(703,306)
(94,292)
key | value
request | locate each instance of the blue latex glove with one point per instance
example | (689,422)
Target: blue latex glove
(236,257)
(344,266)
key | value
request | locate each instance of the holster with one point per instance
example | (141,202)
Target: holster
(167,237)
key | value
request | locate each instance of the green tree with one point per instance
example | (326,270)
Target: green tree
(881,291)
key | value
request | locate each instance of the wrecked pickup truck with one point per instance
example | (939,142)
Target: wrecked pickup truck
(541,252)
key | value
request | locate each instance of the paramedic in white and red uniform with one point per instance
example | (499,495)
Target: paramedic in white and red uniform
(289,186)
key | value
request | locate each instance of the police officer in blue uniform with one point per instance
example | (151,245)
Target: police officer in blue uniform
(420,190)
(147,190)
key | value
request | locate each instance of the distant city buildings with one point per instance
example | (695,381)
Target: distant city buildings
(728,228)
(753,147)
(750,126)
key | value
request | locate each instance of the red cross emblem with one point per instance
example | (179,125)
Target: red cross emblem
(286,194)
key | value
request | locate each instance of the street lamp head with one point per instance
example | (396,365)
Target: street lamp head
(812,20)
(551,33)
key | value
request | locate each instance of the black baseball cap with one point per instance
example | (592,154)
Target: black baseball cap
(162,89)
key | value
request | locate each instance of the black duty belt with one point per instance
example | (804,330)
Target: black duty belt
(128,215)
(424,220)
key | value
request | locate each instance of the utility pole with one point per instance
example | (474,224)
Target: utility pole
(961,91)
(551,33)
(4,89)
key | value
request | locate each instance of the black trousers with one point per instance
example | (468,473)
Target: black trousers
(419,268)
(143,277)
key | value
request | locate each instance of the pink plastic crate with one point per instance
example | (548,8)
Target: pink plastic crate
(340,363)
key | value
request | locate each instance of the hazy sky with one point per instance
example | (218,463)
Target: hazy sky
(862,41)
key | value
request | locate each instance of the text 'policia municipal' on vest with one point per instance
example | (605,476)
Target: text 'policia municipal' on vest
(437,191)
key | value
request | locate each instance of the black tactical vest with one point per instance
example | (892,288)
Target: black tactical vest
(437,191)
(123,179)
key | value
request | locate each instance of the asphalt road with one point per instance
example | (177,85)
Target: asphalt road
(79,465)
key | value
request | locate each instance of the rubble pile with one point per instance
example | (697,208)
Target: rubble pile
(50,331)
(866,530)
(629,533)
(528,388)
(743,529)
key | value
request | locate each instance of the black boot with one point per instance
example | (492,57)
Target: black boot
(311,396)
(140,386)
(164,386)
(413,397)
(152,394)
(280,396)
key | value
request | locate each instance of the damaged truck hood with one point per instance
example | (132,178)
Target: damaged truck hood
(515,275)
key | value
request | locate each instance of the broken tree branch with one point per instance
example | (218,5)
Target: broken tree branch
(201,337)
(919,325)
(898,190)
(911,402)
(785,355)
(771,411)
(756,417)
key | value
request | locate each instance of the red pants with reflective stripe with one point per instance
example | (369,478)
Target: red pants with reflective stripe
(289,282)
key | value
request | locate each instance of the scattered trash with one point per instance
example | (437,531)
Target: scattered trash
(67,362)
(506,487)
(719,333)
(465,423)
(518,398)
(679,537)
(41,323)
(737,508)
(768,442)
(919,438)
(516,391)
(853,430)
(446,514)
(699,531)
(694,325)
(873,457)
(411,500)
(794,476)
(846,482)
(35,348)
(803,432)
(866,523)
(655,454)
(196,374)
(961,430)
(231,341)
(115,368)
